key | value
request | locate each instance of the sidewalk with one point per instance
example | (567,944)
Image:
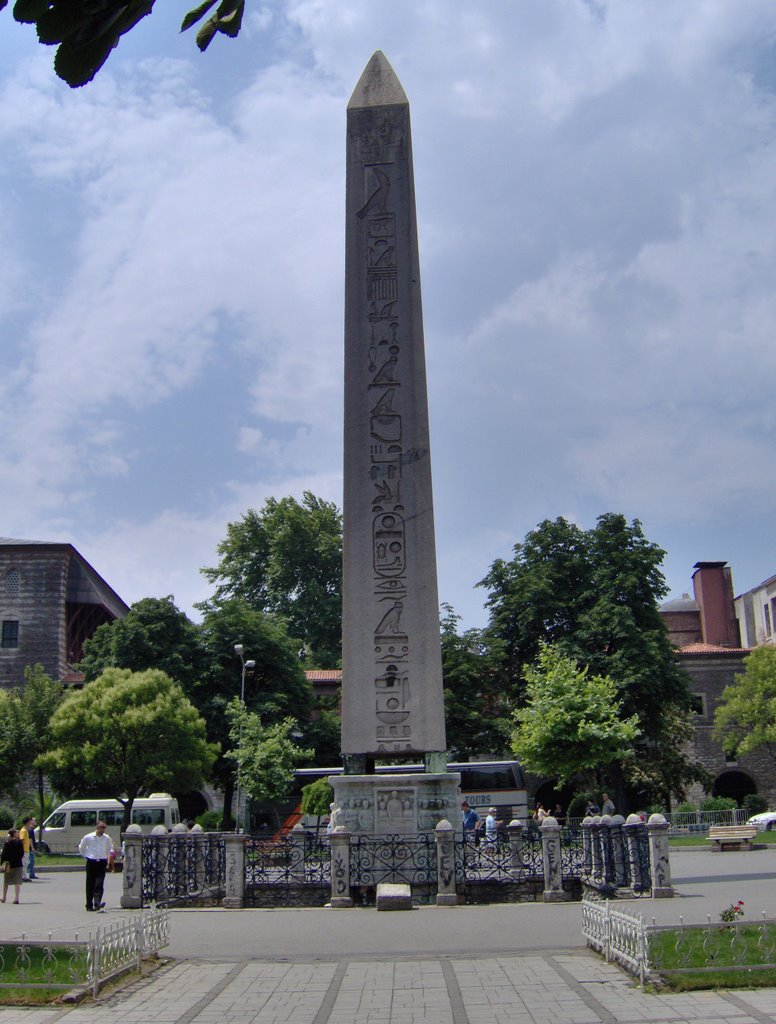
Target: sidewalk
(465,965)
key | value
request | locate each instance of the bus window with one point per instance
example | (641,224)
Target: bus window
(112,817)
(80,819)
(56,820)
(148,816)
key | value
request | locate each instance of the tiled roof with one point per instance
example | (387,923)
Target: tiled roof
(712,649)
(331,675)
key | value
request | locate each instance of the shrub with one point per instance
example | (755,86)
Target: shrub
(685,808)
(210,821)
(577,804)
(755,803)
(6,817)
(718,803)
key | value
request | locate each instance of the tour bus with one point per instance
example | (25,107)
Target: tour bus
(499,784)
(71,821)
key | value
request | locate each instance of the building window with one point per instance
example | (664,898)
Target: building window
(10,633)
(698,703)
(767,617)
(12,583)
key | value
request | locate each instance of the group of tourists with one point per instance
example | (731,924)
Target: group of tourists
(18,861)
(18,858)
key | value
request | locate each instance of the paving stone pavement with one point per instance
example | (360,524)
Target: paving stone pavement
(474,965)
(550,988)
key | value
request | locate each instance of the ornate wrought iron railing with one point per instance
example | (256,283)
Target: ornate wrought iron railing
(294,870)
(182,868)
(410,859)
(506,868)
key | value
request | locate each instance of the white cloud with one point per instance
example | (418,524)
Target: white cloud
(595,188)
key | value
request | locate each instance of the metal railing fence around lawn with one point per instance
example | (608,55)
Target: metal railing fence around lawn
(84,962)
(677,949)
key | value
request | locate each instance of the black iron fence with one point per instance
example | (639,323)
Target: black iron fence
(604,857)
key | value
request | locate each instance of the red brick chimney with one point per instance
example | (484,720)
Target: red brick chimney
(713,588)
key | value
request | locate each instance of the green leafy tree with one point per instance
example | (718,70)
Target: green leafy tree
(154,634)
(571,723)
(477,699)
(317,798)
(745,719)
(286,560)
(595,594)
(266,756)
(275,688)
(126,734)
(36,702)
(86,31)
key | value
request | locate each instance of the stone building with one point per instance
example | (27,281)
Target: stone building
(756,612)
(51,601)
(705,630)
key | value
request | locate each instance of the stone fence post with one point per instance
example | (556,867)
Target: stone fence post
(515,834)
(553,866)
(132,876)
(587,847)
(616,844)
(632,828)
(659,862)
(340,868)
(444,834)
(234,882)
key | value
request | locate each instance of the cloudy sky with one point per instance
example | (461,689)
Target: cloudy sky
(596,187)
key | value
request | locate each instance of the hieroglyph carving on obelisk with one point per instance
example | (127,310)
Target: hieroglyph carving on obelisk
(392,700)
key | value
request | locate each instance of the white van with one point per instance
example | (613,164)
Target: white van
(71,821)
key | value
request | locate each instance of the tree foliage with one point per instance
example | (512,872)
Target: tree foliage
(571,722)
(745,719)
(126,734)
(266,756)
(477,699)
(25,728)
(275,688)
(85,32)
(154,634)
(286,560)
(594,593)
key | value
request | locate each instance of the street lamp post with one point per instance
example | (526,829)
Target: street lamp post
(239,650)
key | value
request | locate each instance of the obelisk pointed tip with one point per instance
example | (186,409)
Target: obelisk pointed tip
(378,85)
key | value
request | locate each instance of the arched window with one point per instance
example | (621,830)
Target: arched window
(12,581)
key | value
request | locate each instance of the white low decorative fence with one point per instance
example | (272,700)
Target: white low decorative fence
(115,948)
(627,940)
(617,935)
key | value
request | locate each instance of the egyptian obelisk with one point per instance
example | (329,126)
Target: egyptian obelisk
(392,699)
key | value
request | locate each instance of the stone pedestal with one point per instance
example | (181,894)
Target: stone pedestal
(447,895)
(659,863)
(132,895)
(234,883)
(381,805)
(340,869)
(553,866)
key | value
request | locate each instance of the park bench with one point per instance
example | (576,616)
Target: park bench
(732,836)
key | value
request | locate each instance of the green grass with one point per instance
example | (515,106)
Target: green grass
(704,955)
(65,970)
(43,860)
(701,839)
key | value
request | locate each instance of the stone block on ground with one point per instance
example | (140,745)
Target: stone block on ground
(394,896)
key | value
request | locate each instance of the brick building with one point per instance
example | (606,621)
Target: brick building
(51,601)
(706,632)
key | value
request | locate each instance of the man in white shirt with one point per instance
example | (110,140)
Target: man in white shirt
(97,849)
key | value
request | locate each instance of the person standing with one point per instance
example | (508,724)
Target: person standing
(27,836)
(492,825)
(97,849)
(607,806)
(11,859)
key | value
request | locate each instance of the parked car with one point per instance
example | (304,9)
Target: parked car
(765,822)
